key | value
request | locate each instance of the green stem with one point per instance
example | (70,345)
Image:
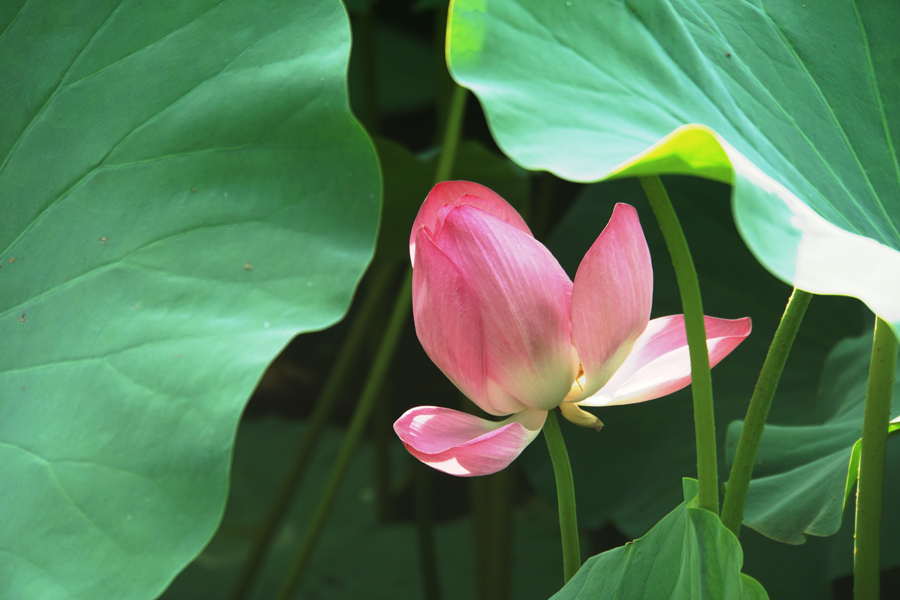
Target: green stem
(565,491)
(492,515)
(701,379)
(425,530)
(443,82)
(758,411)
(870,485)
(337,378)
(351,440)
(543,198)
(382,440)
(377,373)
(364,48)
(451,134)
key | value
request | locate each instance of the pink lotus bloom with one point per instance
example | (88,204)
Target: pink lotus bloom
(499,316)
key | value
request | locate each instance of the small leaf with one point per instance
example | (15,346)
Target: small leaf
(801,481)
(688,555)
(853,471)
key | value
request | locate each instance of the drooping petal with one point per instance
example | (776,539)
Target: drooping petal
(660,363)
(575,414)
(524,297)
(611,298)
(448,323)
(454,193)
(462,444)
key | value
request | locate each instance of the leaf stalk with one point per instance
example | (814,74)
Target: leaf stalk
(358,422)
(701,378)
(337,378)
(758,410)
(377,374)
(565,492)
(870,484)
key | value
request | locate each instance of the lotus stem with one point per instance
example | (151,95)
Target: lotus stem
(337,378)
(451,134)
(358,422)
(870,485)
(377,374)
(701,378)
(425,534)
(758,411)
(565,491)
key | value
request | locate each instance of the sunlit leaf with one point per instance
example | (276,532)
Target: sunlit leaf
(795,104)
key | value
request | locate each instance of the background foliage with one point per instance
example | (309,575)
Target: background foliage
(185,189)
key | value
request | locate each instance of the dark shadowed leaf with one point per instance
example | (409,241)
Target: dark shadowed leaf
(805,473)
(358,557)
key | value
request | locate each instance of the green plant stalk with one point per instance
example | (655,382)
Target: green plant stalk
(425,534)
(443,82)
(701,379)
(337,378)
(758,411)
(452,128)
(870,485)
(492,515)
(565,492)
(364,45)
(352,438)
(377,374)
(382,433)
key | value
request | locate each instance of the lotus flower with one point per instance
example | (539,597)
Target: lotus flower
(499,316)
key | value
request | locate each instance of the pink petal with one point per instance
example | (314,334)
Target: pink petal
(462,444)
(448,322)
(611,298)
(454,193)
(660,363)
(524,297)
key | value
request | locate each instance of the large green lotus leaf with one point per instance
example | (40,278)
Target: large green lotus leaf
(183,190)
(800,482)
(796,105)
(688,555)
(357,557)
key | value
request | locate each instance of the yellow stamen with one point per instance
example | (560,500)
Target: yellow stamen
(577,386)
